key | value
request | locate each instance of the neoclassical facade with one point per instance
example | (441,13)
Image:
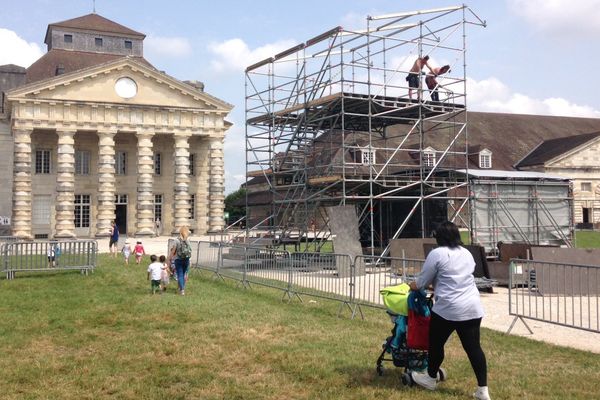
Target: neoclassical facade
(120,141)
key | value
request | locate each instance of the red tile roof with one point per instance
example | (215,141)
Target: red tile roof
(45,67)
(96,23)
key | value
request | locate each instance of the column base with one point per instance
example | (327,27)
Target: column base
(145,233)
(102,235)
(65,236)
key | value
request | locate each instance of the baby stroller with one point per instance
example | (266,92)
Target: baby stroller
(407,346)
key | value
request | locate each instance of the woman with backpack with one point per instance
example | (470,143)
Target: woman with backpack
(181,253)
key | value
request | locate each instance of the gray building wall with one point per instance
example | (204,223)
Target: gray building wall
(83,41)
(11,76)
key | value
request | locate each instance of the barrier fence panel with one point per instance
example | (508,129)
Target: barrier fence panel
(208,256)
(232,262)
(268,267)
(557,293)
(325,275)
(49,256)
(373,273)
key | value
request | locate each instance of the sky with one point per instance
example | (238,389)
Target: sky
(534,56)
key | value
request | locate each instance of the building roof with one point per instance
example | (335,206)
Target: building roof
(522,175)
(71,61)
(549,149)
(96,23)
(12,68)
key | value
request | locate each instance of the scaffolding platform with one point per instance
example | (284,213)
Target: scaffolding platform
(361,112)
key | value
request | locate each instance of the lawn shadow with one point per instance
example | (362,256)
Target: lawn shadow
(391,379)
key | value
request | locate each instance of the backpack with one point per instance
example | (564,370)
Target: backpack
(183,249)
(57,251)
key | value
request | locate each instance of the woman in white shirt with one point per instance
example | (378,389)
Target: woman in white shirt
(457,307)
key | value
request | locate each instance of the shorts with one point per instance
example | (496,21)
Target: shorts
(51,258)
(155,283)
(112,241)
(413,80)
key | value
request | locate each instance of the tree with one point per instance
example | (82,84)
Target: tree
(235,204)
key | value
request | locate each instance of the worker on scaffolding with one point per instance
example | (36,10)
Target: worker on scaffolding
(432,83)
(414,75)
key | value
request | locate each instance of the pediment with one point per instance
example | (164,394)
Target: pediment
(97,85)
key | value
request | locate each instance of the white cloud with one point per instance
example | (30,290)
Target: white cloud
(235,55)
(562,17)
(162,46)
(15,50)
(493,95)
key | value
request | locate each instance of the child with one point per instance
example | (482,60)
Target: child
(166,273)
(126,250)
(139,252)
(154,274)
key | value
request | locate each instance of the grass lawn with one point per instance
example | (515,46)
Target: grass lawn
(67,336)
(587,239)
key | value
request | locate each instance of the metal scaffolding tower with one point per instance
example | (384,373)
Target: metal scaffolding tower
(330,122)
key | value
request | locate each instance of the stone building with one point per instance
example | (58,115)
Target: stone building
(97,134)
(578,158)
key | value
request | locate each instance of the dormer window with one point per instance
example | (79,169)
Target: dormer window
(128,44)
(429,157)
(98,42)
(68,38)
(367,157)
(485,159)
(60,69)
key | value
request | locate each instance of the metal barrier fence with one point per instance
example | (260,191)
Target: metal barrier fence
(373,273)
(352,282)
(49,256)
(561,294)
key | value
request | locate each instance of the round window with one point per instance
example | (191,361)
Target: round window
(126,88)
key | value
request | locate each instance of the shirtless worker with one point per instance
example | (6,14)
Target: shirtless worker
(432,83)
(414,75)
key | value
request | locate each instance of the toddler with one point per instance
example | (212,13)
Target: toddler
(139,252)
(126,250)
(165,274)
(154,274)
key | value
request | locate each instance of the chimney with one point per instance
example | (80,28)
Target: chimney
(199,86)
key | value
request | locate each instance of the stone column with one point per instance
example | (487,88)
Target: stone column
(145,180)
(21,212)
(202,182)
(181,206)
(65,185)
(216,192)
(106,182)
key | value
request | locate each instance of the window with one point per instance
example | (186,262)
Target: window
(40,210)
(158,199)
(192,206)
(121,163)
(98,42)
(120,199)
(192,157)
(429,157)
(60,69)
(157,163)
(485,159)
(128,44)
(82,211)
(68,38)
(42,161)
(368,157)
(586,186)
(82,162)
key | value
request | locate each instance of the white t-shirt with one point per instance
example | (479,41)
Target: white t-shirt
(450,270)
(155,270)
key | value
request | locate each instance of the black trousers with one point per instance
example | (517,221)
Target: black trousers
(468,332)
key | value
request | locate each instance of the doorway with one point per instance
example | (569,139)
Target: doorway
(586,215)
(121,217)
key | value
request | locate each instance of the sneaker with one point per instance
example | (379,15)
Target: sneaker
(424,380)
(482,393)
(182,292)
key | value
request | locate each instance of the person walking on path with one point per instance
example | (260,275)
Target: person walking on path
(432,83)
(181,252)
(113,242)
(414,75)
(457,307)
